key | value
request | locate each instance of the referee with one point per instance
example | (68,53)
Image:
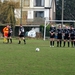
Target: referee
(21,34)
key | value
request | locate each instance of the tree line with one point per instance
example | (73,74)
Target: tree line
(68,10)
(7,12)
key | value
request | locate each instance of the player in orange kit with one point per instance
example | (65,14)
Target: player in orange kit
(5,31)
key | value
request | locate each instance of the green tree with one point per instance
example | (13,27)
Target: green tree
(69,9)
(7,12)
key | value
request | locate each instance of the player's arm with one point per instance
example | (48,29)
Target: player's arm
(11,31)
(50,30)
(69,33)
(19,31)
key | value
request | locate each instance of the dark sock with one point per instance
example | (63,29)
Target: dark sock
(19,42)
(68,44)
(10,40)
(57,43)
(7,40)
(53,43)
(60,43)
(24,41)
(72,43)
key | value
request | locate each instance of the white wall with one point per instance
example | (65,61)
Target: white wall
(30,14)
(46,14)
(31,3)
(48,3)
(51,14)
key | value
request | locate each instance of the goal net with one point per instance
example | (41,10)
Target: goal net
(56,23)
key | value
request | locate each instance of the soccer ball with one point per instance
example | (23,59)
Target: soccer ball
(37,49)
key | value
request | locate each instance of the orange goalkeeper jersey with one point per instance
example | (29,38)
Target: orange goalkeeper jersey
(5,31)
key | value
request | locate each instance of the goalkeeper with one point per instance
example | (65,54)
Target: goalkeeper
(5,32)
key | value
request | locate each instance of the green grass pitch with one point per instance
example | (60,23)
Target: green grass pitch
(20,59)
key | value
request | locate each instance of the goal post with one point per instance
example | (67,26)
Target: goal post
(47,22)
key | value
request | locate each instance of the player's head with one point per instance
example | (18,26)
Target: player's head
(7,25)
(20,24)
(52,25)
(59,26)
(66,27)
(71,27)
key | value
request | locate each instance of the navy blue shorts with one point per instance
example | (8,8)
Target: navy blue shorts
(59,36)
(52,36)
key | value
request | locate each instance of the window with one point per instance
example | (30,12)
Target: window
(24,17)
(39,3)
(26,3)
(39,14)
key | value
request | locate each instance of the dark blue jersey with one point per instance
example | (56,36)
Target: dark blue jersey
(21,30)
(59,31)
(10,30)
(52,29)
(72,32)
(66,31)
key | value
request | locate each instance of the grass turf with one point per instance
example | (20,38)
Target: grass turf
(22,59)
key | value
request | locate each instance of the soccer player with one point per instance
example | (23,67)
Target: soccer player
(72,36)
(10,35)
(66,33)
(52,35)
(59,32)
(5,32)
(21,34)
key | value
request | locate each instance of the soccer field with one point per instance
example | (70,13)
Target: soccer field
(21,59)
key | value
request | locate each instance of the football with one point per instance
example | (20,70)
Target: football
(37,49)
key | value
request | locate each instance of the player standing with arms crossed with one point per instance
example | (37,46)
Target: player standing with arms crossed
(52,35)
(72,36)
(59,32)
(66,33)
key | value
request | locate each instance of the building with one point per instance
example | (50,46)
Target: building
(35,11)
